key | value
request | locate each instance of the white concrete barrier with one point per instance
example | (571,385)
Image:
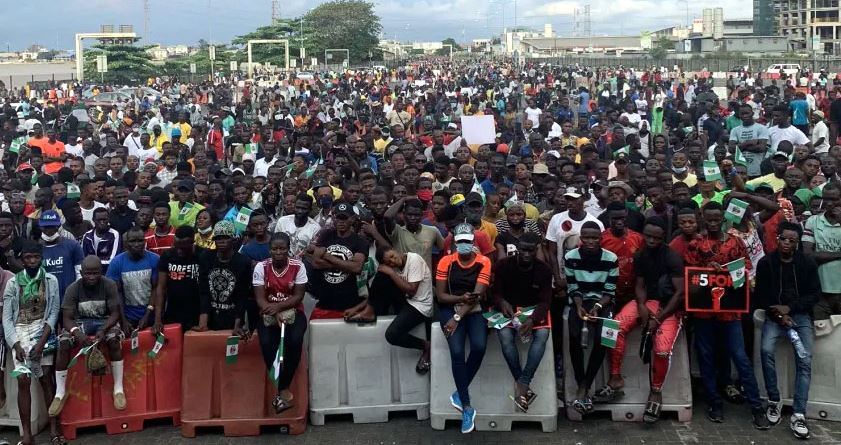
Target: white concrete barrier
(9,414)
(353,370)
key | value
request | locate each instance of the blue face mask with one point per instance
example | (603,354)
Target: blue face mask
(325,202)
(464,248)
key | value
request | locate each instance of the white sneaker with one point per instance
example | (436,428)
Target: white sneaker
(799,427)
(774,412)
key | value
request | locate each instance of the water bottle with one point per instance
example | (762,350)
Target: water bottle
(585,336)
(799,349)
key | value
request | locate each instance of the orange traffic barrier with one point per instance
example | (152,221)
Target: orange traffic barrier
(152,388)
(219,394)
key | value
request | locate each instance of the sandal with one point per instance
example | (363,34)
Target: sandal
(733,395)
(358,320)
(578,405)
(280,405)
(530,395)
(522,402)
(652,412)
(588,405)
(607,394)
(423,366)
(58,440)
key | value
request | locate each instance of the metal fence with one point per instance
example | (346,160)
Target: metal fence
(754,64)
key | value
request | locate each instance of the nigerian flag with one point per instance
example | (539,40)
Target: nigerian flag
(735,211)
(610,332)
(737,272)
(711,171)
(740,158)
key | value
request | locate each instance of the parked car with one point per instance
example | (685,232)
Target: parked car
(787,68)
(109,98)
(151,93)
(305,75)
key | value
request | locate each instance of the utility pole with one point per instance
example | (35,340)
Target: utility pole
(146,20)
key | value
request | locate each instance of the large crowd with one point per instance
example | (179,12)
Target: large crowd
(225,205)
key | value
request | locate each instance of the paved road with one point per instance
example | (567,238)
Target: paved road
(404,429)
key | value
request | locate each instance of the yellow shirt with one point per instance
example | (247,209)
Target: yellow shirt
(690,180)
(205,241)
(775,182)
(185,132)
(490,229)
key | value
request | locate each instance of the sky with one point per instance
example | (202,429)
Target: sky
(186,21)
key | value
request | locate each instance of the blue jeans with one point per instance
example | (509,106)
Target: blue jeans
(472,327)
(705,332)
(508,343)
(771,332)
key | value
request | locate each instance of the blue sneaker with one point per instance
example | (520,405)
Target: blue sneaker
(456,401)
(467,420)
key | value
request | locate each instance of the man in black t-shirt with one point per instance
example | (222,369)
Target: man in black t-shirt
(659,294)
(225,284)
(333,262)
(178,283)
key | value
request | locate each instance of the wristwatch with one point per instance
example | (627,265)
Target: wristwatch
(456,317)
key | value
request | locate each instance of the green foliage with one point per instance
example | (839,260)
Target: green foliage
(660,48)
(180,66)
(445,51)
(338,24)
(127,64)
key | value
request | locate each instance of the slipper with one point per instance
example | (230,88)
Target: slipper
(607,394)
(281,405)
(521,402)
(530,395)
(58,440)
(422,367)
(578,405)
(588,405)
(652,411)
(357,320)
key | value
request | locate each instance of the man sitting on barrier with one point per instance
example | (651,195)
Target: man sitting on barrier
(279,284)
(136,273)
(91,308)
(521,281)
(335,260)
(410,285)
(591,276)
(787,287)
(460,281)
(225,279)
(30,312)
(659,298)
(714,249)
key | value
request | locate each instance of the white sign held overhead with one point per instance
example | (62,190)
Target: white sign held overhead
(478,129)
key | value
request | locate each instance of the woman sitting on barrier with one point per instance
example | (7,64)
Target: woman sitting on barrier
(460,281)
(279,284)
(412,279)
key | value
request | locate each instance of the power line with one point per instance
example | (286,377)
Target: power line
(275,11)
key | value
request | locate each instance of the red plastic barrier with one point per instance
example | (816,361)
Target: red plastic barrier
(151,386)
(218,394)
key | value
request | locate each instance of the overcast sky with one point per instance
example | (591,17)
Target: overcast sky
(187,21)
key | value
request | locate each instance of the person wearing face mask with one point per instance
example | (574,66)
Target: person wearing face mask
(62,257)
(680,171)
(461,280)
(324,198)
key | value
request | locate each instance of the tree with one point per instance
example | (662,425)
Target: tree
(661,47)
(338,24)
(445,51)
(180,66)
(127,64)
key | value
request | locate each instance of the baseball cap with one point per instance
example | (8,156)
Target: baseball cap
(237,170)
(457,199)
(757,187)
(186,184)
(541,169)
(24,166)
(572,192)
(780,154)
(619,184)
(344,209)
(224,228)
(49,218)
(818,113)
(463,232)
(318,183)
(472,198)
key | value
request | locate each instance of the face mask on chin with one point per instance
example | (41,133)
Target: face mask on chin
(50,238)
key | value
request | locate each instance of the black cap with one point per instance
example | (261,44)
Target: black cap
(343,208)
(186,184)
(318,183)
(473,197)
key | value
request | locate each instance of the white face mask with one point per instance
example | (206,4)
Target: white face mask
(206,230)
(49,238)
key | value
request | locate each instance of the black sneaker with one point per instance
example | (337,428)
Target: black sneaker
(715,414)
(760,421)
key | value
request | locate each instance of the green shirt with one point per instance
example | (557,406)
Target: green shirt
(827,238)
(184,216)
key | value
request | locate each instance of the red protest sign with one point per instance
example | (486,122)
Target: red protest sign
(706,290)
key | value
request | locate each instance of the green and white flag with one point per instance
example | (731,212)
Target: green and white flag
(309,172)
(241,220)
(711,171)
(16,144)
(73,191)
(20,370)
(159,344)
(740,158)
(188,206)
(626,150)
(496,319)
(274,372)
(737,272)
(84,351)
(231,349)
(251,148)
(735,211)
(610,332)
(525,313)
(135,342)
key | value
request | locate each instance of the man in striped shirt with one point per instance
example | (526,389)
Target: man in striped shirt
(591,275)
